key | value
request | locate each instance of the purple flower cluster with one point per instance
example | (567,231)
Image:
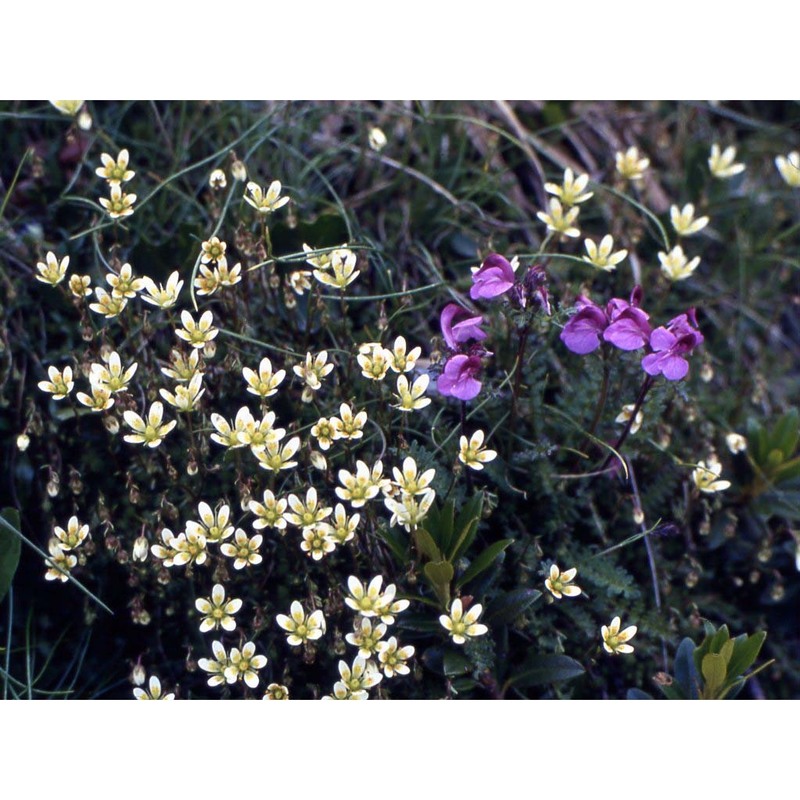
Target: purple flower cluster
(461,329)
(623,324)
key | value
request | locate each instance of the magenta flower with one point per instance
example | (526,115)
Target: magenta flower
(459,326)
(495,277)
(458,378)
(582,332)
(629,329)
(670,345)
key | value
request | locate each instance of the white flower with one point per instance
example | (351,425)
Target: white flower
(302,627)
(112,377)
(571,191)
(374,361)
(463,626)
(721,163)
(625,415)
(356,680)
(314,369)
(153,692)
(73,536)
(265,382)
(68,108)
(630,166)
(217,179)
(614,639)
(277,458)
(472,452)
(217,610)
(214,526)
(116,171)
(399,359)
(357,488)
(60,563)
(602,257)
(185,397)
(152,432)
(60,383)
(342,270)
(107,304)
(119,204)
(366,636)
(412,398)
(100,399)
(684,222)
(393,658)
(217,666)
(706,474)
(675,265)
(270,513)
(557,221)
(368,601)
(197,334)
(377,139)
(245,549)
(308,514)
(162,296)
(348,425)
(408,481)
(265,203)
(789,168)
(560,583)
(736,443)
(244,665)
(52,270)
(409,511)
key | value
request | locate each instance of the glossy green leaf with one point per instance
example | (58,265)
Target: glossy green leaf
(10,546)
(745,652)
(483,561)
(685,671)
(714,672)
(507,607)
(426,545)
(786,432)
(439,523)
(466,526)
(440,573)
(541,669)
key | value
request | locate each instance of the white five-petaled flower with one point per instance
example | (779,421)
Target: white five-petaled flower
(356,680)
(217,179)
(789,168)
(317,541)
(409,481)
(472,452)
(119,204)
(80,285)
(559,222)
(343,528)
(324,432)
(116,171)
(683,220)
(276,691)
(308,514)
(357,488)
(366,636)
(69,108)
(341,271)
(721,163)
(368,600)
(602,257)
(152,432)
(348,425)
(706,474)
(265,382)
(401,359)
(313,370)
(73,536)
(197,334)
(675,264)
(51,270)
(265,203)
(111,376)
(630,166)
(244,665)
(410,510)
(270,513)
(393,658)
(411,398)
(60,383)
(214,525)
(571,191)
(624,416)
(736,442)
(160,295)
(213,251)
(218,612)
(560,583)
(217,665)
(99,400)
(59,563)
(463,626)
(243,549)
(185,397)
(302,627)
(276,457)
(153,692)
(373,360)
(614,640)
(108,304)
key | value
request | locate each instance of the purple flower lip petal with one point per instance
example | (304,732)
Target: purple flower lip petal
(459,326)
(458,378)
(495,277)
(581,334)
(629,331)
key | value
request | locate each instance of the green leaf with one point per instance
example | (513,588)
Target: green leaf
(719,638)
(455,663)
(483,561)
(541,669)
(10,546)
(685,672)
(786,432)
(395,544)
(440,573)
(507,607)
(426,545)
(466,526)
(714,672)
(439,523)
(787,471)
(745,652)
(671,691)
(726,651)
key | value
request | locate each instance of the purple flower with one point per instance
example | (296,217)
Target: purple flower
(582,333)
(459,326)
(670,345)
(495,277)
(458,378)
(629,329)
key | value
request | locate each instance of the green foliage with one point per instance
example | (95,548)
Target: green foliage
(10,546)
